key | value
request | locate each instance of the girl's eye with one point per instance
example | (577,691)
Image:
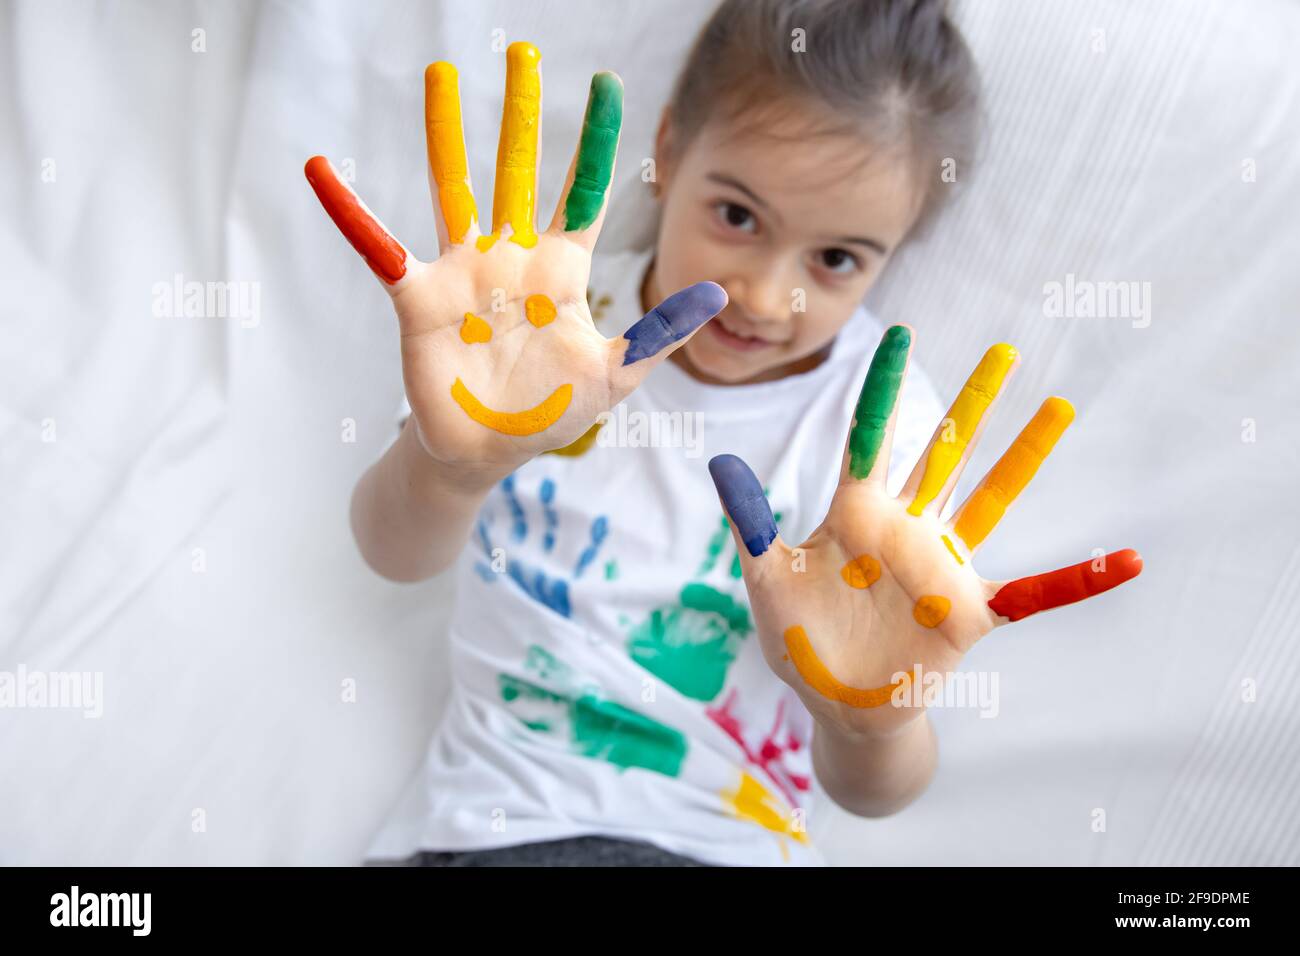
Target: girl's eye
(839,261)
(736,216)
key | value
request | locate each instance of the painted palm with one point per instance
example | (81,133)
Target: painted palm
(883,587)
(500,355)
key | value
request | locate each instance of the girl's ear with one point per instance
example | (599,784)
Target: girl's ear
(664,153)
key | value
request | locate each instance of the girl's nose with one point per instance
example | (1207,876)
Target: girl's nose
(763,293)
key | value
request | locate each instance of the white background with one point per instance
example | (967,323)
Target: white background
(222,688)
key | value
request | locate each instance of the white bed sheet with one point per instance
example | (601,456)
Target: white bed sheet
(174,490)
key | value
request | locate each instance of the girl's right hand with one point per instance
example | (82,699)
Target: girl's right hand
(500,355)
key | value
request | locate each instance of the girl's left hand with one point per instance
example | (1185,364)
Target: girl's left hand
(883,592)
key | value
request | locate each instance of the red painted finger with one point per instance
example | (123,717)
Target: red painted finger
(384,254)
(1042,592)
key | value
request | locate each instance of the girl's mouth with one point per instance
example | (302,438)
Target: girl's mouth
(731,340)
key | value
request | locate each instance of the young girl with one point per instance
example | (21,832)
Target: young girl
(644,672)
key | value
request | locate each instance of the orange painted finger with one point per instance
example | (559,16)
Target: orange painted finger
(1018,599)
(444,136)
(1009,477)
(384,254)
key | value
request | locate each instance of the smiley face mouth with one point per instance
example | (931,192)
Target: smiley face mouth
(810,667)
(530,421)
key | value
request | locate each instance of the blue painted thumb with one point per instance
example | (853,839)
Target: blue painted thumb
(673,319)
(746,505)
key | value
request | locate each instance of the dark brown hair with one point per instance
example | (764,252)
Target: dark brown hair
(896,72)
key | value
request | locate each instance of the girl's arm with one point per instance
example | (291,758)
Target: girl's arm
(410,516)
(874,775)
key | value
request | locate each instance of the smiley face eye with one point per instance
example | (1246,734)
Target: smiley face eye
(539,309)
(474,330)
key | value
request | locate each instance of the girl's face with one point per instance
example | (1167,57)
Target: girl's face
(795,230)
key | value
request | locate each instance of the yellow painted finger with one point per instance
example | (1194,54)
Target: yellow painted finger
(445,139)
(1008,478)
(961,422)
(514,201)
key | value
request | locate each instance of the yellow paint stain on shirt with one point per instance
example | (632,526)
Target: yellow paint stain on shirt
(964,414)
(515,197)
(474,330)
(539,309)
(580,446)
(445,141)
(530,421)
(1012,473)
(753,802)
(931,610)
(820,679)
(862,572)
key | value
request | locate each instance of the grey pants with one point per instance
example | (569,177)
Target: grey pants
(573,851)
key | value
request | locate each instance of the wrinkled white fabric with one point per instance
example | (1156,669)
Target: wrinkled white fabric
(174,496)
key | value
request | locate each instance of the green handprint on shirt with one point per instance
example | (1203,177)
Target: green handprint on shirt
(562,706)
(691,644)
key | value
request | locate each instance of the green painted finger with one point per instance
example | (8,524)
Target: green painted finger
(876,400)
(596,151)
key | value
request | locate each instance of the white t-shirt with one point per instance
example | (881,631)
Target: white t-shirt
(606,677)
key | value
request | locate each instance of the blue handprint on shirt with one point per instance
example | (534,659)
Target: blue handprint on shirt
(551,591)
